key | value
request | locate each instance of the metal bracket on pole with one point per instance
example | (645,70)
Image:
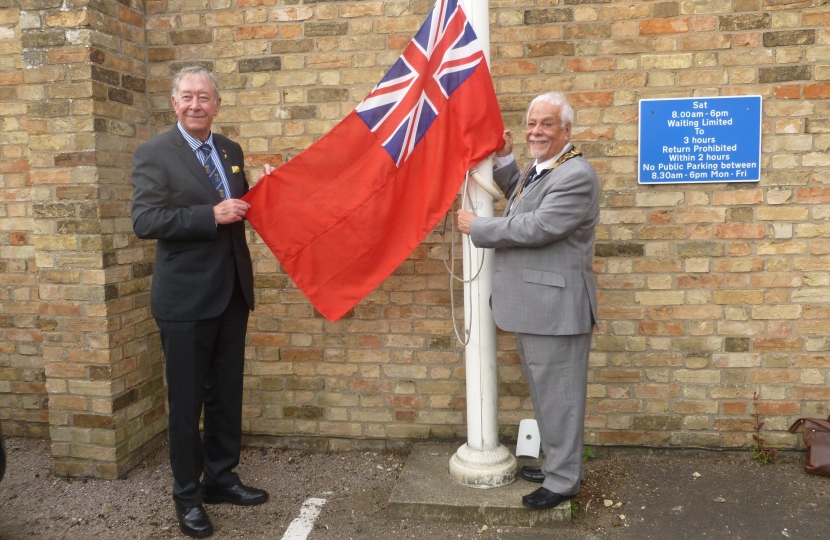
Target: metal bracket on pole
(488,187)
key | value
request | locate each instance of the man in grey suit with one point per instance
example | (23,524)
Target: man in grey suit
(188,182)
(543,284)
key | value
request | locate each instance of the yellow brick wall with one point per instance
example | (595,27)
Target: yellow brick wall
(708,293)
(23,407)
(77,108)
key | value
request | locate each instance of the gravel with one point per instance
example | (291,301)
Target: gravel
(37,504)
(664,495)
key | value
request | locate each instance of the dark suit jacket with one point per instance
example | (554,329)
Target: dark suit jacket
(173,202)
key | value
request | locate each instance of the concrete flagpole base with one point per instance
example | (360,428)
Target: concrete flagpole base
(483,469)
(424,491)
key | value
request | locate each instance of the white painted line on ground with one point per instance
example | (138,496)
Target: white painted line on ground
(302,524)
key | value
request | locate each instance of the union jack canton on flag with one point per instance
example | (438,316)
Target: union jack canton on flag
(441,56)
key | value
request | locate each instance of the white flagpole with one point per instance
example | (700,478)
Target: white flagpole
(482,462)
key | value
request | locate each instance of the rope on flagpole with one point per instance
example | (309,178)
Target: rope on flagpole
(451,270)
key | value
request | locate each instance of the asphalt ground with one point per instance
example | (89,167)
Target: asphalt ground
(663,495)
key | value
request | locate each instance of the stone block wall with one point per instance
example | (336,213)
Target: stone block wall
(710,294)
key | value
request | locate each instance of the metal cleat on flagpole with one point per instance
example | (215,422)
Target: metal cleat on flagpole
(482,462)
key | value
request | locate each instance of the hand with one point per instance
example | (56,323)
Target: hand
(230,211)
(463,219)
(507,149)
(266,170)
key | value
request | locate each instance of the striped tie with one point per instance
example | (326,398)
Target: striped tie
(211,170)
(532,176)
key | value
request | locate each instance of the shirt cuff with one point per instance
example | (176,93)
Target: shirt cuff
(502,162)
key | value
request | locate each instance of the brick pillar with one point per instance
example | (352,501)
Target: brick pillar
(23,408)
(86,111)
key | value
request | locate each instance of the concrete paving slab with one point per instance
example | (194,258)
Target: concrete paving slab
(425,490)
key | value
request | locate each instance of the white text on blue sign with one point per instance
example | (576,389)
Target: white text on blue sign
(713,139)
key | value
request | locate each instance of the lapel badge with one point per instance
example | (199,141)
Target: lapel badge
(234,169)
(224,154)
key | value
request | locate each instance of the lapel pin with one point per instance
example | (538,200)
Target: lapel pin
(224,154)
(234,169)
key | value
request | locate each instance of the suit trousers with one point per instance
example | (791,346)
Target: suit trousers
(205,361)
(556,368)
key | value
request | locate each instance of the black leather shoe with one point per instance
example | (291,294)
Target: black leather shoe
(239,494)
(194,521)
(532,474)
(543,498)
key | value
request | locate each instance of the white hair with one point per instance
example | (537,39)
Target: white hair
(200,71)
(557,99)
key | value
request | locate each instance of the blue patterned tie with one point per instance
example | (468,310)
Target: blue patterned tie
(211,170)
(534,174)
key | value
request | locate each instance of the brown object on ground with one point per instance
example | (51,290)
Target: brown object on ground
(816,436)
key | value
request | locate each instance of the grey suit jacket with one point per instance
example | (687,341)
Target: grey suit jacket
(543,281)
(196,259)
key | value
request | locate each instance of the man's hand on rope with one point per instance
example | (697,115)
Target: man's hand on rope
(463,219)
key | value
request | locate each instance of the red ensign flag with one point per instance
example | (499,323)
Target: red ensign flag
(347,211)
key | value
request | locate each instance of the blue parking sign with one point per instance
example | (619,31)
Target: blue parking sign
(708,139)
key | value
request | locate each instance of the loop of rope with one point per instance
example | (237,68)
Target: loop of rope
(451,270)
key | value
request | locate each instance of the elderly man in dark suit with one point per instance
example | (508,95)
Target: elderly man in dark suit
(188,183)
(543,285)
